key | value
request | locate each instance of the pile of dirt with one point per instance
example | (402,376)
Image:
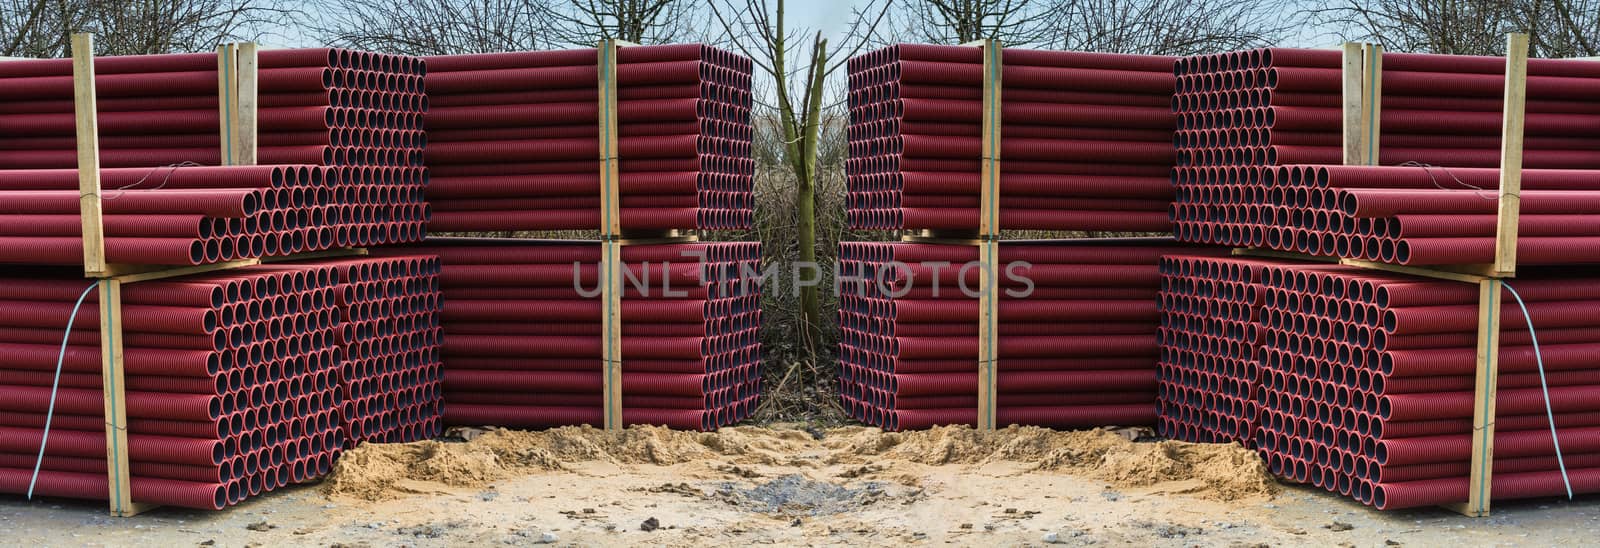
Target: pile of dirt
(1215,471)
(385,471)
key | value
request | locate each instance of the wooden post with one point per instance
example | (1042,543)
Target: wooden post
(989,236)
(1486,378)
(1371,101)
(86,107)
(1505,238)
(114,392)
(1487,375)
(247,92)
(610,232)
(237,91)
(227,98)
(1352,67)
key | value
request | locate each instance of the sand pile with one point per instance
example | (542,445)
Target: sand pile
(1216,471)
(386,471)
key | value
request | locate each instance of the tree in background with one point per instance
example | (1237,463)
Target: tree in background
(443,27)
(793,111)
(1156,27)
(40,28)
(1169,27)
(585,22)
(1556,28)
(1013,22)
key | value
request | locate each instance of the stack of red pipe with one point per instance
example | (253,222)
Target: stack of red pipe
(523,332)
(1239,112)
(1079,350)
(1086,139)
(515,137)
(390,372)
(232,385)
(359,113)
(1402,215)
(1209,342)
(199,215)
(1367,384)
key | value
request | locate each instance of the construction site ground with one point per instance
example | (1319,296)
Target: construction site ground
(788,486)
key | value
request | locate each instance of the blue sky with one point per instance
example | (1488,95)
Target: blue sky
(832,17)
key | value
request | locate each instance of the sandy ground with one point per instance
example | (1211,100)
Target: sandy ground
(850,486)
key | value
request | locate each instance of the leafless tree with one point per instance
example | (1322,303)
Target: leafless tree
(1432,26)
(437,27)
(1168,27)
(39,28)
(440,27)
(1556,28)
(1013,22)
(759,31)
(585,22)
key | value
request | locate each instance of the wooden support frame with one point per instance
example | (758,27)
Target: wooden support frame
(1362,104)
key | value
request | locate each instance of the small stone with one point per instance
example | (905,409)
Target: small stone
(1295,531)
(966,526)
(650,525)
(1338,526)
(1052,538)
(548,538)
(261,526)
(208,542)
(795,523)
(1391,542)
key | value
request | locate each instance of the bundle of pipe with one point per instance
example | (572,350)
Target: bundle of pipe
(232,384)
(523,333)
(1239,112)
(182,216)
(1367,384)
(1086,139)
(1076,340)
(1428,215)
(390,372)
(1209,340)
(360,113)
(515,137)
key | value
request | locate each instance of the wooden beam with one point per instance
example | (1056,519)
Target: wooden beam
(86,108)
(227,96)
(114,385)
(1351,70)
(1461,273)
(247,94)
(610,219)
(989,214)
(611,291)
(989,235)
(1505,237)
(1486,381)
(1371,102)
(611,235)
(988,333)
